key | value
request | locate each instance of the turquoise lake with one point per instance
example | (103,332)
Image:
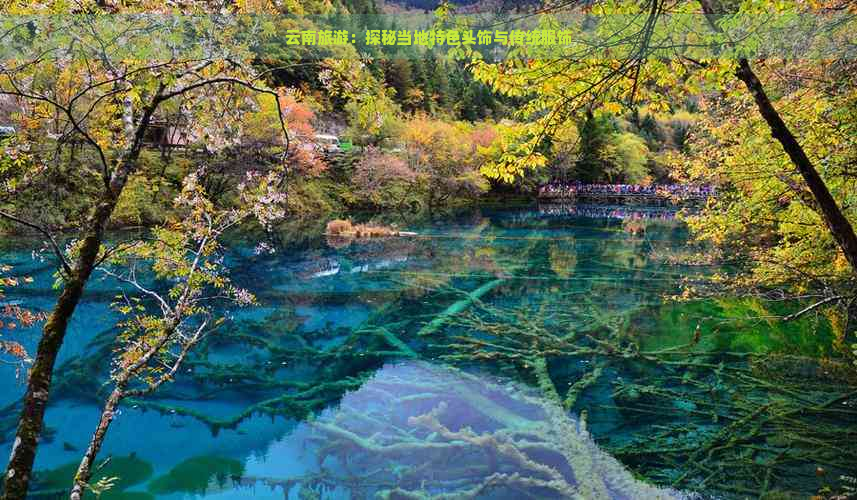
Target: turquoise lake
(527,352)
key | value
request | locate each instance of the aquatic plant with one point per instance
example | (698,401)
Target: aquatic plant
(339,227)
(341,233)
(730,423)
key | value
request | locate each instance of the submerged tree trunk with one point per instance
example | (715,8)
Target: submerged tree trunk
(835,220)
(457,307)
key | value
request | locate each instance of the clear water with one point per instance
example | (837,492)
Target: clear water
(500,353)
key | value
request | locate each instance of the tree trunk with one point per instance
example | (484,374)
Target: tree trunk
(835,220)
(84,471)
(20,466)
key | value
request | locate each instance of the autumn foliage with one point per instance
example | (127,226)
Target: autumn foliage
(446,158)
(12,317)
(338,227)
(263,129)
(383,179)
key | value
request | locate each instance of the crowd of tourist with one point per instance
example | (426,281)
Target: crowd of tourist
(574,189)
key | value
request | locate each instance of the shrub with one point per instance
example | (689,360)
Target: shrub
(446,158)
(338,227)
(373,231)
(384,180)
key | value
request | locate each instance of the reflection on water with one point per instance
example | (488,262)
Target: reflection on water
(414,430)
(559,314)
(606,211)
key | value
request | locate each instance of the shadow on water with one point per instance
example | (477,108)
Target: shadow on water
(466,360)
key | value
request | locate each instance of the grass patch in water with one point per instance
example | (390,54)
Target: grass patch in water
(130,470)
(195,474)
(738,325)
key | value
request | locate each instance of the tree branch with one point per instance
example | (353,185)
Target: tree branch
(813,307)
(66,268)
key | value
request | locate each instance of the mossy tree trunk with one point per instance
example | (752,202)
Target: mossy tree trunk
(19,469)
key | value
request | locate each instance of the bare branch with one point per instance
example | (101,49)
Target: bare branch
(186,347)
(131,280)
(66,268)
(813,307)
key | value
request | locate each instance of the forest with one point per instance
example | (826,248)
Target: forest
(412,249)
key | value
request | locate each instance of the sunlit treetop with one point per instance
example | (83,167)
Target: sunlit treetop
(626,54)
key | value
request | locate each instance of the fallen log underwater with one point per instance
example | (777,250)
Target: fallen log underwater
(458,307)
